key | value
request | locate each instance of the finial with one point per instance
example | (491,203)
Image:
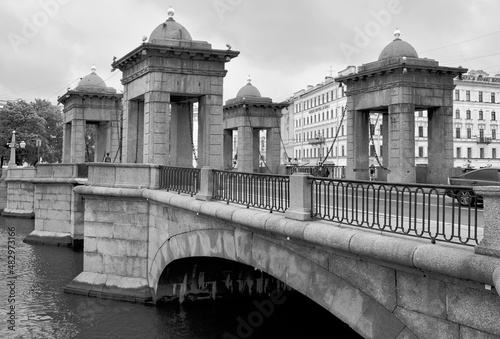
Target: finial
(249,79)
(397,33)
(144,39)
(93,69)
(171,13)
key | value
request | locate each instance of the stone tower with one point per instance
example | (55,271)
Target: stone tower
(162,79)
(91,102)
(249,113)
(396,85)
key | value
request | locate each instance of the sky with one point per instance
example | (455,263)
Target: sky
(46,46)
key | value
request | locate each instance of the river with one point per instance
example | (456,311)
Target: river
(33,304)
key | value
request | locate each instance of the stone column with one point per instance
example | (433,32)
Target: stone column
(255,149)
(440,144)
(357,144)
(245,149)
(382,174)
(156,127)
(134,130)
(67,143)
(181,150)
(300,197)
(210,131)
(273,149)
(78,141)
(228,149)
(490,245)
(401,157)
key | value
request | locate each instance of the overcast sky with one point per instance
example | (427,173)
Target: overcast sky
(285,45)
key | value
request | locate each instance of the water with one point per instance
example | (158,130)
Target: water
(33,286)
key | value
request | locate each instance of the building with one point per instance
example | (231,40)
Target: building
(313,128)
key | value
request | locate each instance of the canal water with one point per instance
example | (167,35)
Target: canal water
(33,304)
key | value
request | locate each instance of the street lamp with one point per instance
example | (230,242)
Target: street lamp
(13,145)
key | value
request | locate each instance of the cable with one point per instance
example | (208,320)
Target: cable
(64,87)
(458,43)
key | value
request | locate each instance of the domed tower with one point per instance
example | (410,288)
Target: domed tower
(91,102)
(162,79)
(252,115)
(397,85)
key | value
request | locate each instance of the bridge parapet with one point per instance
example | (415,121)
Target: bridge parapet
(124,175)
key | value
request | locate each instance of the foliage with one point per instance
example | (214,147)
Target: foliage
(31,121)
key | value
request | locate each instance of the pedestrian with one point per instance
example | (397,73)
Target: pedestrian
(107,158)
(372,172)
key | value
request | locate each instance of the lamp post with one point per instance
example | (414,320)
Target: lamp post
(12,145)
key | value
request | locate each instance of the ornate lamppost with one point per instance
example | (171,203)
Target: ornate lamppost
(13,145)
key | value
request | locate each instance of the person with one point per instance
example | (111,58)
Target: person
(107,158)
(372,172)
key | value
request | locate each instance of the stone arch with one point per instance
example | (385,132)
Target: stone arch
(348,303)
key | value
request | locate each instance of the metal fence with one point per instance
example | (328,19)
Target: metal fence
(180,179)
(270,192)
(424,211)
(334,172)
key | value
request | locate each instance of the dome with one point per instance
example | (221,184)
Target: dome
(91,82)
(169,30)
(398,48)
(248,90)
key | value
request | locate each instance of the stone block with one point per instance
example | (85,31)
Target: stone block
(473,308)
(421,294)
(425,326)
(93,262)
(374,280)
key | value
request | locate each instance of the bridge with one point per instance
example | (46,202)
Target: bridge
(176,233)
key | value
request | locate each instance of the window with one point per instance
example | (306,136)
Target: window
(420,114)
(380,152)
(457,133)
(467,95)
(372,129)
(343,150)
(492,97)
(493,134)
(467,114)
(421,131)
(481,115)
(493,116)
(459,152)
(469,152)
(372,150)
(457,114)
(481,133)
(469,133)
(420,152)
(481,153)
(457,94)
(480,96)
(494,153)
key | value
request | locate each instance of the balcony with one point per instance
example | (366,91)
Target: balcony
(483,140)
(316,141)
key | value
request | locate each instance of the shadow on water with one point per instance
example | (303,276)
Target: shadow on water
(43,310)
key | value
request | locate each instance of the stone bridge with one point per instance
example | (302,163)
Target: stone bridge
(142,244)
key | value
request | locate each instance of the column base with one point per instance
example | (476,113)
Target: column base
(108,286)
(8,212)
(49,238)
(484,248)
(298,214)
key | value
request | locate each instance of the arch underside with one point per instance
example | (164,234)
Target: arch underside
(304,272)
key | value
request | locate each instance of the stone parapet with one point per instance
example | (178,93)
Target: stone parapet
(490,245)
(124,175)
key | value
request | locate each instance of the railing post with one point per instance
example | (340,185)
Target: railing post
(490,245)
(206,184)
(300,197)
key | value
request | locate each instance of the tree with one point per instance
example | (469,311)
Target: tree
(37,120)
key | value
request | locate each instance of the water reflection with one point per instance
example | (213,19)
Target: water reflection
(43,310)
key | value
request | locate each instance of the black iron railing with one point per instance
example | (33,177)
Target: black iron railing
(270,192)
(424,211)
(180,179)
(333,171)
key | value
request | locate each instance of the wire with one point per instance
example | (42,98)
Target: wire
(29,89)
(460,42)
(62,89)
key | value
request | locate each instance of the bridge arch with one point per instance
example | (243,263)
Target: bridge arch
(282,260)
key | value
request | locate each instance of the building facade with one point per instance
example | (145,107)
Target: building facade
(313,126)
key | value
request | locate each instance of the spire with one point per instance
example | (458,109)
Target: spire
(249,80)
(93,68)
(171,13)
(397,33)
